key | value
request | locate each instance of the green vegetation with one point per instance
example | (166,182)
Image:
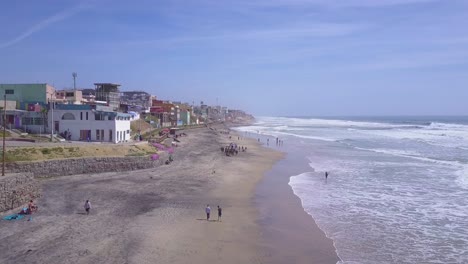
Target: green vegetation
(14,154)
(7,133)
(45,151)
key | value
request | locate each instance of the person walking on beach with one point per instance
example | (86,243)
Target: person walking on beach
(87,207)
(207,211)
(220,212)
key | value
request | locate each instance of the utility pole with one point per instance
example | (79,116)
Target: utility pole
(51,119)
(4,132)
(74,85)
(74,80)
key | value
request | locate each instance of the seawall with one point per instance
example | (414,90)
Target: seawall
(63,167)
(17,189)
(21,183)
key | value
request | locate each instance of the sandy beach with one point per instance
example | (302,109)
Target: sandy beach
(153,216)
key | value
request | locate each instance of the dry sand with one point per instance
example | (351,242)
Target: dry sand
(157,215)
(149,216)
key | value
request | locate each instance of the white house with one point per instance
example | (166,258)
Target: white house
(90,123)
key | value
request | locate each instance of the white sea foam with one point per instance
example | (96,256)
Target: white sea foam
(445,126)
(461,169)
(396,193)
(331,123)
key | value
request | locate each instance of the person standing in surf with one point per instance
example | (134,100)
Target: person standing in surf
(207,211)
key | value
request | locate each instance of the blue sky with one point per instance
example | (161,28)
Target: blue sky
(269,57)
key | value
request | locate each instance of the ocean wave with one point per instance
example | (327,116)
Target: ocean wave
(301,122)
(447,126)
(308,137)
(461,169)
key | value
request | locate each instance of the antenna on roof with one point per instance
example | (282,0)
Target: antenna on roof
(74,80)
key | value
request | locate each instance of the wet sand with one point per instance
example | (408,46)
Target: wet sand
(290,234)
(157,215)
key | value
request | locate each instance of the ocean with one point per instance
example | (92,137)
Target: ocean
(397,190)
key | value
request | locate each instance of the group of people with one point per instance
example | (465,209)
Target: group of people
(33,208)
(66,134)
(208,212)
(233,149)
(279,142)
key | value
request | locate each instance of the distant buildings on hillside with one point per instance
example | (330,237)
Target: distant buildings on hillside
(100,114)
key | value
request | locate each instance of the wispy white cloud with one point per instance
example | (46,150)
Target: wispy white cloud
(335,4)
(317,30)
(412,61)
(44,24)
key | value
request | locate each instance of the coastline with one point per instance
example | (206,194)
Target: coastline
(150,216)
(285,223)
(157,215)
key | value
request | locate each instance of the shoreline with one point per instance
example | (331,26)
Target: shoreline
(290,234)
(150,216)
(157,215)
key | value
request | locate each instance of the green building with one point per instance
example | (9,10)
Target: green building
(35,93)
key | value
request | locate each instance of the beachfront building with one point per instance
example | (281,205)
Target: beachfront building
(164,110)
(12,114)
(109,94)
(70,96)
(90,123)
(24,94)
(185,113)
(26,104)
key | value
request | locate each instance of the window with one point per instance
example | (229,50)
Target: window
(38,121)
(27,121)
(81,115)
(68,116)
(9,91)
(70,94)
(98,134)
(86,115)
(128,131)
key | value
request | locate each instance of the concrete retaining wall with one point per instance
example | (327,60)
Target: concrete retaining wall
(52,168)
(17,189)
(20,184)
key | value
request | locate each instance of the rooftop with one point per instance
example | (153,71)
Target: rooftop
(110,84)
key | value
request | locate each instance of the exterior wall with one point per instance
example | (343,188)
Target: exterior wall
(33,122)
(52,168)
(85,119)
(76,98)
(35,93)
(50,92)
(10,105)
(108,92)
(185,117)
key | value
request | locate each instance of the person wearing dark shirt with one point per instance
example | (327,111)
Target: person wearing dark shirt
(220,212)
